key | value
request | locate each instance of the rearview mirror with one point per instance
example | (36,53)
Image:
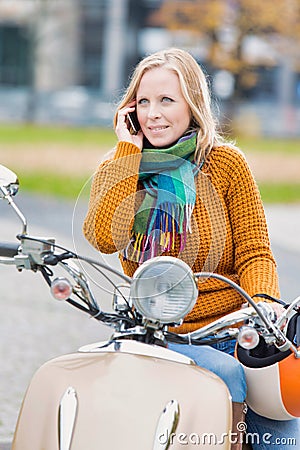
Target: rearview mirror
(9,183)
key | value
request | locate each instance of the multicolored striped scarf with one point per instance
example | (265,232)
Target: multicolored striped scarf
(168,177)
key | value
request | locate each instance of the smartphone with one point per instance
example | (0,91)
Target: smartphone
(133,122)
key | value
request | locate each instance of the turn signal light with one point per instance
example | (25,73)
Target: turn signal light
(248,338)
(61,289)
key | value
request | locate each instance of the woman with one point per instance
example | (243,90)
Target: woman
(175,187)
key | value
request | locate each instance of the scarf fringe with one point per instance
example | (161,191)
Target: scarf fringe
(168,222)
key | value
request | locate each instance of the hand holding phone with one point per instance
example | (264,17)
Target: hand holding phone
(134,126)
(127,127)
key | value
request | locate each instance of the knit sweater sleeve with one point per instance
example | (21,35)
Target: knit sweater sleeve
(254,262)
(109,219)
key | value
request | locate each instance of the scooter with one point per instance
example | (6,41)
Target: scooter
(130,392)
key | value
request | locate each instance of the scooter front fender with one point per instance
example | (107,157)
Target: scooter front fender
(114,397)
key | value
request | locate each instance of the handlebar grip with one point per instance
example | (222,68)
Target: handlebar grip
(8,249)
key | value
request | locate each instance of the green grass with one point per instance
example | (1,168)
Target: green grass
(69,187)
(72,187)
(30,134)
(26,134)
(268,145)
(280,192)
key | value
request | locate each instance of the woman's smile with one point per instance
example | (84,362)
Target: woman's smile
(157,129)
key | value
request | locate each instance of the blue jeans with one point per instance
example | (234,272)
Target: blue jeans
(262,433)
(218,362)
(266,434)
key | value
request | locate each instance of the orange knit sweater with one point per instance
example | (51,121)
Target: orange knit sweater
(228,236)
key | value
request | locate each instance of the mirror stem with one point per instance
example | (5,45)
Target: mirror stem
(10,201)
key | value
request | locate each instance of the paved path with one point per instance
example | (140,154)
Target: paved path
(284,229)
(34,327)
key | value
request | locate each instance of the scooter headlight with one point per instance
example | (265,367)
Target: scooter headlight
(164,289)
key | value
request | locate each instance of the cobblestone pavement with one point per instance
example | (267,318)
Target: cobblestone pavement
(35,328)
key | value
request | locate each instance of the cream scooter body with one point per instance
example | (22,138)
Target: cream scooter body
(123,395)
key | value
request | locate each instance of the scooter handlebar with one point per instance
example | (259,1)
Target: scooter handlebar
(8,249)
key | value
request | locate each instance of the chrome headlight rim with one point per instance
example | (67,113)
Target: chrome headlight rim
(158,267)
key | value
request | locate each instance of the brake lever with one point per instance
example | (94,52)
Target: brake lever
(52,260)
(280,321)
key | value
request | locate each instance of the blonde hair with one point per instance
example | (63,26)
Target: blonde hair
(194,88)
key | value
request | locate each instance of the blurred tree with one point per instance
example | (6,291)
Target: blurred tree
(227,26)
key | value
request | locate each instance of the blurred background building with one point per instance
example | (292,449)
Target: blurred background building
(67,61)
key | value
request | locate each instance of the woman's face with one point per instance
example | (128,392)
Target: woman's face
(162,111)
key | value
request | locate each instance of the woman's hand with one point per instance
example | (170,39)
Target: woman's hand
(277,308)
(122,130)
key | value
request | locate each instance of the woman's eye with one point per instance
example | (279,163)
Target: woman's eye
(142,101)
(167,99)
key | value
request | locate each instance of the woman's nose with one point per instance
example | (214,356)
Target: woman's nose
(154,112)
